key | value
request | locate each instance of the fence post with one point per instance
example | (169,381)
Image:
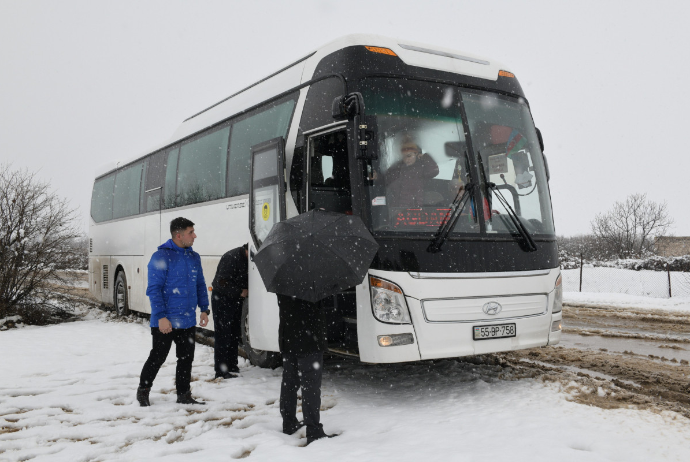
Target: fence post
(581,260)
(668,271)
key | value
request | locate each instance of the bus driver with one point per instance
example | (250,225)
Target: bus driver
(404,179)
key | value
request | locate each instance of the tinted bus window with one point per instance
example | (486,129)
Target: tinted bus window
(202,167)
(102,199)
(154,174)
(127,190)
(260,127)
(170,178)
(317,110)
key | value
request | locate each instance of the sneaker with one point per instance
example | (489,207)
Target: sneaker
(291,429)
(318,436)
(186,398)
(143,396)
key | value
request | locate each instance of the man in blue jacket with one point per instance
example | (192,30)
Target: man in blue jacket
(176,287)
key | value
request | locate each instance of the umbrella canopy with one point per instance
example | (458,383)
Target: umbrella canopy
(315,255)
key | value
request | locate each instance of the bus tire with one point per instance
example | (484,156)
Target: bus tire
(120,295)
(259,358)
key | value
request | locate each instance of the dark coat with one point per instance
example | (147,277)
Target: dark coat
(176,286)
(302,329)
(405,185)
(231,274)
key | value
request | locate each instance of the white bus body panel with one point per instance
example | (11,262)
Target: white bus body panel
(220,226)
(529,301)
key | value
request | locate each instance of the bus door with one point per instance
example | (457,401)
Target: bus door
(328,184)
(151,201)
(328,187)
(266,208)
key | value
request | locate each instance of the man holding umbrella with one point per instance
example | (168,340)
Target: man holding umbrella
(304,260)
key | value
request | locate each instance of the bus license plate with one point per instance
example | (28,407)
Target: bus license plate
(495,331)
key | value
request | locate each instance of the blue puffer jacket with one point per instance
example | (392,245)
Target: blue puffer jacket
(176,286)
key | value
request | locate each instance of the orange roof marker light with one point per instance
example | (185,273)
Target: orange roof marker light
(383,51)
(506,74)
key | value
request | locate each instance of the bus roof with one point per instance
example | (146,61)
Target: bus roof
(411,53)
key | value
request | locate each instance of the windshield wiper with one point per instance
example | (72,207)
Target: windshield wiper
(450,219)
(517,222)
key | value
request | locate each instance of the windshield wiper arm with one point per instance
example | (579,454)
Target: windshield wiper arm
(450,219)
(531,246)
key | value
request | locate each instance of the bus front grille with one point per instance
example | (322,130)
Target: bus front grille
(477,309)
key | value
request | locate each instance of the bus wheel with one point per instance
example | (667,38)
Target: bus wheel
(260,358)
(120,298)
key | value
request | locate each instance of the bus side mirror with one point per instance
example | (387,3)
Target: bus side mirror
(338,108)
(348,106)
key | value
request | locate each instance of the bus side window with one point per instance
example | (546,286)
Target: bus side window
(153,182)
(126,196)
(329,173)
(102,199)
(202,167)
(169,188)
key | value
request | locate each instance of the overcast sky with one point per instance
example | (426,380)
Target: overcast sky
(83,83)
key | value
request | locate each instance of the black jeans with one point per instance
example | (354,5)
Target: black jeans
(305,371)
(184,350)
(227,314)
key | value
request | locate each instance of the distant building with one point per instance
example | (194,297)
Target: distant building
(672,246)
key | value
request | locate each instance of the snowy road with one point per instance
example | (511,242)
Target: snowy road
(67,394)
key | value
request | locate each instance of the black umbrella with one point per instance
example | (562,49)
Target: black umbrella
(315,255)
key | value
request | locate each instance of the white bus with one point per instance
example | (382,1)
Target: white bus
(457,273)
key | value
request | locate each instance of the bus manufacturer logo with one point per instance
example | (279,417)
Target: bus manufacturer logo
(492,308)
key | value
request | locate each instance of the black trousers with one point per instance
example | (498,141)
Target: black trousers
(304,371)
(227,314)
(184,349)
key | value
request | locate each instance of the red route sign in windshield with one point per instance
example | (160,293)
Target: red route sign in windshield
(420,218)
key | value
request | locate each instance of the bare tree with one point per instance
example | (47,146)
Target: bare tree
(628,230)
(37,235)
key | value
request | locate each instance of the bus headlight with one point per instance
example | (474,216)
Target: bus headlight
(388,302)
(558,295)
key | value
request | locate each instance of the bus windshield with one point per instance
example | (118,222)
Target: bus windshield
(424,159)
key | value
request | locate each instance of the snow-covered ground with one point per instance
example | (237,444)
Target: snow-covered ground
(613,300)
(67,394)
(644,283)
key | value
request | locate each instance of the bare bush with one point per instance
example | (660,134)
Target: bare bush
(37,236)
(628,230)
(80,251)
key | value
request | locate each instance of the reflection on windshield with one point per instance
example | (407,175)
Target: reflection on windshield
(424,162)
(505,139)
